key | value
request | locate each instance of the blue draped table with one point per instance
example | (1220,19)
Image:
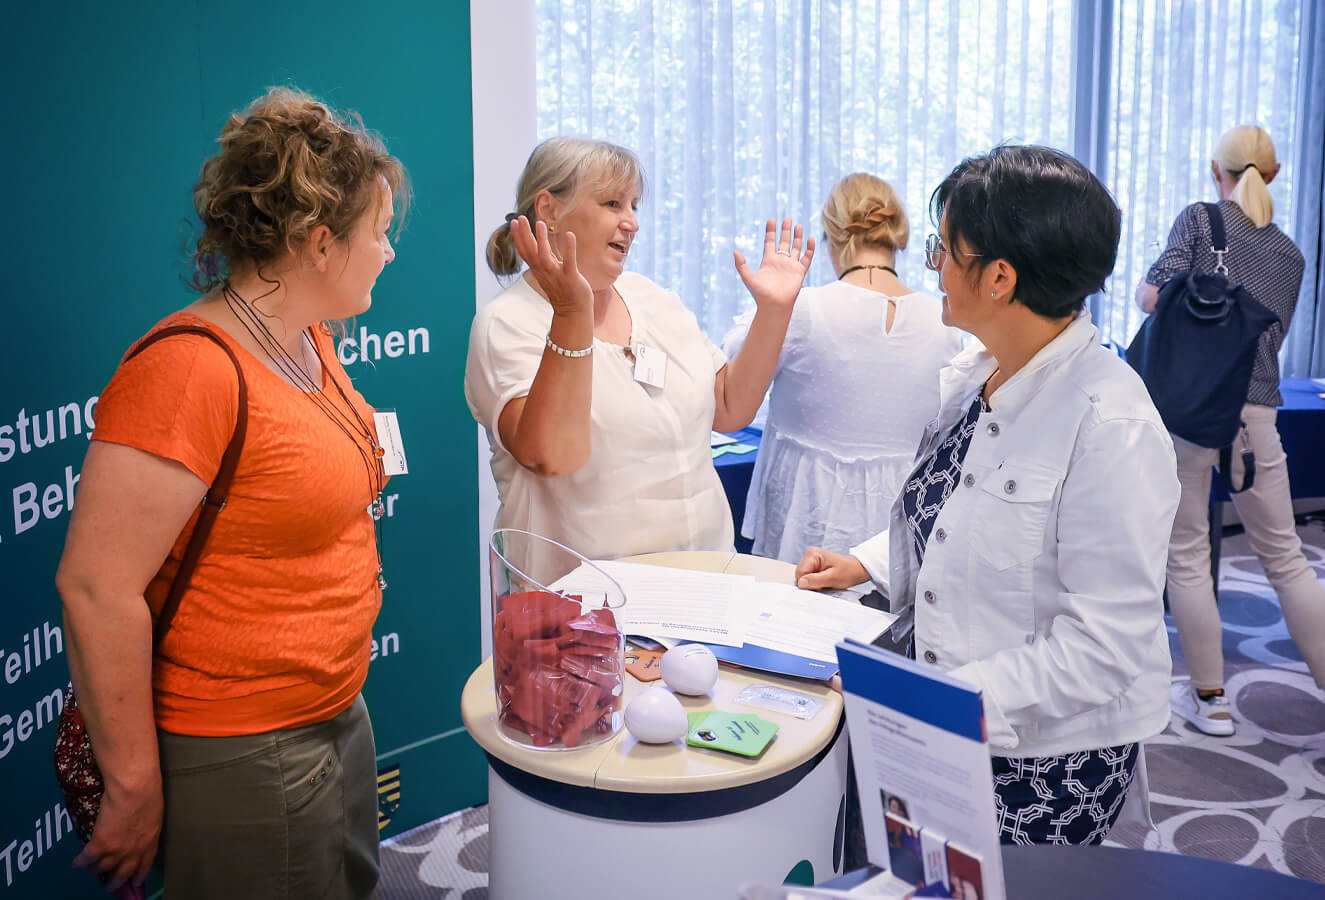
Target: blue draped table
(735,471)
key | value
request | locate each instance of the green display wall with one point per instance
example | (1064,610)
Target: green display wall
(109,111)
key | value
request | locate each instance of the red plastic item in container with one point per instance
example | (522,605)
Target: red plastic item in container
(558,672)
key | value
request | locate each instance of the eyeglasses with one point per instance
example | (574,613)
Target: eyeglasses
(936,252)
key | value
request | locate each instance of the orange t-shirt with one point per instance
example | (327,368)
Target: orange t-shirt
(274,629)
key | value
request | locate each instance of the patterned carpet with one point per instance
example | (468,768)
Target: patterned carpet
(446,858)
(1257,798)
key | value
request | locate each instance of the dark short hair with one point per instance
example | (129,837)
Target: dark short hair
(1043,212)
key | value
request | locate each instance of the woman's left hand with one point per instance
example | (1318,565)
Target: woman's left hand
(778,279)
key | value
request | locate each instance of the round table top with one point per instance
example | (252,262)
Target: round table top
(622,763)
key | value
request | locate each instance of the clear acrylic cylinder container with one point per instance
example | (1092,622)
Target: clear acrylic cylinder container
(558,656)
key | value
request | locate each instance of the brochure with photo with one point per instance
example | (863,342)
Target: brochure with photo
(904,854)
(934,850)
(965,877)
(922,764)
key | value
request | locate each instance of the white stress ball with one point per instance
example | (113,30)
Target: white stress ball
(655,716)
(689,669)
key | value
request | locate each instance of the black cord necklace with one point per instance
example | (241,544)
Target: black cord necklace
(846,272)
(298,375)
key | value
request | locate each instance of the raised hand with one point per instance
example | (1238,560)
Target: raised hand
(778,279)
(566,289)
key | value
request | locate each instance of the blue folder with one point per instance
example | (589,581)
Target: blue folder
(751,656)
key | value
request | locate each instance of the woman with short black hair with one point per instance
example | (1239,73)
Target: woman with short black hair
(1029,539)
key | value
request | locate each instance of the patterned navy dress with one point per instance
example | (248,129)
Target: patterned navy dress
(1070,799)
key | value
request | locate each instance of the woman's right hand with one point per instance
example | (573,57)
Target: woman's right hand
(124,840)
(824,570)
(565,288)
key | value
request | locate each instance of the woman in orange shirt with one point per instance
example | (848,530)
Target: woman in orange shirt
(240,742)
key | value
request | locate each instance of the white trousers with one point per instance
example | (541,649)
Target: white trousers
(1266,511)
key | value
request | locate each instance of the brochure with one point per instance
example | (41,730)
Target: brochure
(922,766)
(789,631)
(671,605)
(755,624)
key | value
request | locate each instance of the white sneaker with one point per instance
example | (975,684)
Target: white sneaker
(1211,716)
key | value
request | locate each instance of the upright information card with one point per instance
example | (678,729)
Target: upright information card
(923,769)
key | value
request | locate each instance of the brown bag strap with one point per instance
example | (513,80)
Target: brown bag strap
(214,500)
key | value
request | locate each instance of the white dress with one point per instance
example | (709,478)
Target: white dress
(848,406)
(649,484)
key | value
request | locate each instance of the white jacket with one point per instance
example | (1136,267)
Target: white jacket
(1043,576)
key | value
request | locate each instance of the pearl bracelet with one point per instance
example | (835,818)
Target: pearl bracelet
(571,354)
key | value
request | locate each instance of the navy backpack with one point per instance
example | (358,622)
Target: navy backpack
(1196,350)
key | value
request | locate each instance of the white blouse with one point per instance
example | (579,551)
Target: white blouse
(649,484)
(848,406)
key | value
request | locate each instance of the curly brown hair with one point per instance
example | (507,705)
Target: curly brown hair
(287,164)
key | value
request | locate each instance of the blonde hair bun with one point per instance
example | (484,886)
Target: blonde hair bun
(870,216)
(862,211)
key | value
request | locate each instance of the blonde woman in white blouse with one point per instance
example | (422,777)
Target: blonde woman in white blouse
(828,471)
(597,388)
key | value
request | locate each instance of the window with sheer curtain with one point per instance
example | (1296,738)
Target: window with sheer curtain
(1183,73)
(743,110)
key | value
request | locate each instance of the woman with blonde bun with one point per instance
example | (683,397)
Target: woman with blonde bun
(856,383)
(1264,260)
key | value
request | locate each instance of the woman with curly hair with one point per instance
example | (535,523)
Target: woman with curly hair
(238,741)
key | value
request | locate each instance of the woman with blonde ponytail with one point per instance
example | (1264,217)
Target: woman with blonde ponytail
(857,381)
(1263,260)
(1245,158)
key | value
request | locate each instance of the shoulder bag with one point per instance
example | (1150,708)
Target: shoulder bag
(1195,353)
(75,760)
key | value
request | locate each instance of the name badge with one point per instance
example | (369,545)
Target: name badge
(650,365)
(389,439)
